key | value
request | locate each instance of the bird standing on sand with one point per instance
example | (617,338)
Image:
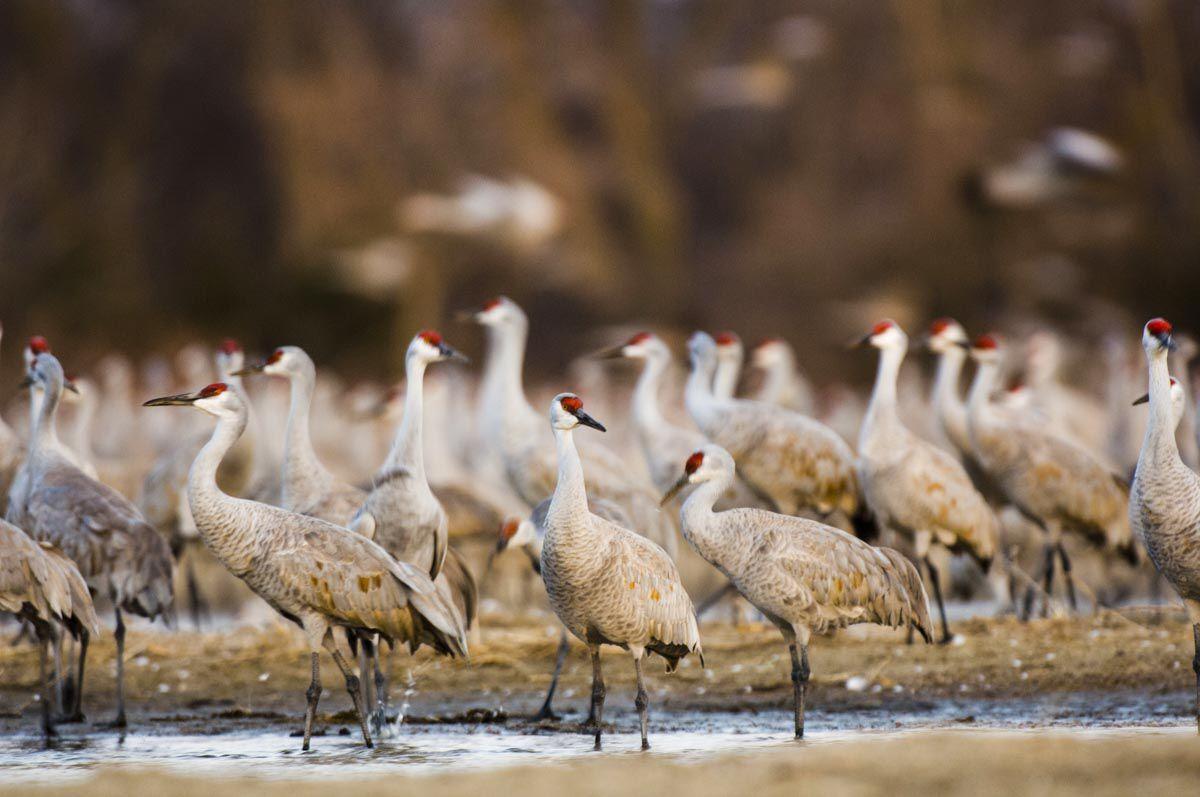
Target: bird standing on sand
(912,486)
(608,585)
(801,574)
(1164,503)
(118,553)
(314,573)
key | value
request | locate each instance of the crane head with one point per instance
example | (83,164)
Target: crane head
(215,399)
(946,334)
(705,464)
(987,348)
(769,352)
(886,334)
(566,412)
(1157,336)
(429,346)
(638,347)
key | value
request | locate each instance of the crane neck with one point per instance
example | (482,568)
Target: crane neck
(948,406)
(1159,444)
(569,502)
(724,384)
(698,518)
(647,413)
(202,476)
(777,377)
(982,386)
(698,395)
(503,388)
(300,464)
(408,450)
(81,429)
(45,417)
(882,414)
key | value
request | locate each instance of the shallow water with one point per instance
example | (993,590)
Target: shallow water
(683,736)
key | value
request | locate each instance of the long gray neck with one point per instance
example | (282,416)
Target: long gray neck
(882,417)
(45,423)
(504,386)
(776,380)
(949,408)
(698,393)
(569,501)
(981,390)
(215,512)
(699,526)
(408,447)
(81,430)
(726,379)
(300,463)
(1159,445)
(646,411)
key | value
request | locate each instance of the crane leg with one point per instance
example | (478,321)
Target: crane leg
(1048,578)
(1196,669)
(381,689)
(199,609)
(61,681)
(546,712)
(1068,581)
(598,693)
(313,694)
(936,583)
(45,677)
(76,714)
(642,701)
(353,687)
(364,667)
(120,721)
(800,673)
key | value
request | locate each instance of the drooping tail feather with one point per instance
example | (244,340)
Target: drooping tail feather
(916,610)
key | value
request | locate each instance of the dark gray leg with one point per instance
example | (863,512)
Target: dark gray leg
(546,712)
(381,691)
(598,693)
(364,666)
(195,600)
(45,679)
(313,694)
(800,673)
(76,714)
(353,687)
(1196,669)
(936,583)
(1047,578)
(1067,580)
(642,703)
(120,722)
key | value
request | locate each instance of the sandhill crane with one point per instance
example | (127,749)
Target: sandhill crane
(801,574)
(783,382)
(1072,412)
(120,555)
(401,513)
(608,585)
(11,454)
(1052,480)
(1164,505)
(796,462)
(307,486)
(912,486)
(39,345)
(513,429)
(38,583)
(730,355)
(529,534)
(314,573)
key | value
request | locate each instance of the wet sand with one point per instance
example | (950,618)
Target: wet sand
(874,698)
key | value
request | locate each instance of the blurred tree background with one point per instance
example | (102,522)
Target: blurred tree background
(337,174)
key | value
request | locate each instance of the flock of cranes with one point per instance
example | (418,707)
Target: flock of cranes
(814,534)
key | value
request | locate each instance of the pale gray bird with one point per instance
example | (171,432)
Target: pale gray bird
(402,514)
(802,575)
(118,553)
(314,573)
(1052,480)
(528,535)
(514,430)
(783,382)
(308,487)
(730,356)
(796,462)
(1164,505)
(39,584)
(608,585)
(912,486)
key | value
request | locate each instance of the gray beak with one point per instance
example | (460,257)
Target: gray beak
(674,491)
(452,354)
(249,370)
(1141,400)
(588,420)
(170,401)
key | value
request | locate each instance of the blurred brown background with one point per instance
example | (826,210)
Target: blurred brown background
(337,174)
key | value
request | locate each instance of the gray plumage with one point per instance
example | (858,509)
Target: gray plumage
(801,574)
(312,572)
(795,461)
(783,383)
(607,584)
(512,428)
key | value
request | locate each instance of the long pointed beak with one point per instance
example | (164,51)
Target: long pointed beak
(588,420)
(256,368)
(169,401)
(452,354)
(1142,400)
(71,386)
(674,491)
(962,344)
(467,316)
(858,343)
(611,353)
